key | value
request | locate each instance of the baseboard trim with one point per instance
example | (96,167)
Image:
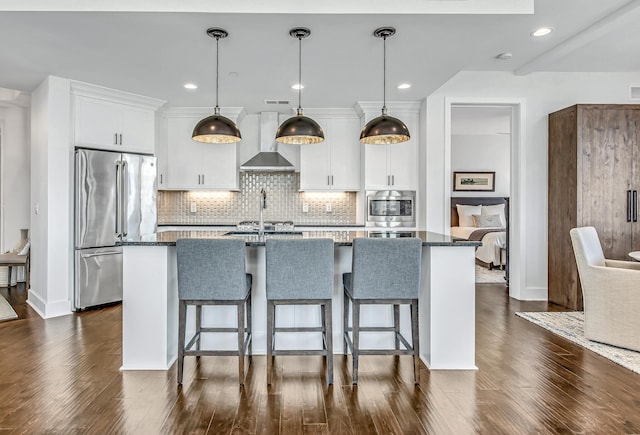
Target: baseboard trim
(47,310)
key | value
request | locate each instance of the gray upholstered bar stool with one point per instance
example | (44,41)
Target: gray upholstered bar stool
(300,272)
(384,271)
(212,272)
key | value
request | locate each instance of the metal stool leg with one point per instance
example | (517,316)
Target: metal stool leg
(345,322)
(241,309)
(182,320)
(271,320)
(328,331)
(355,352)
(416,341)
(396,324)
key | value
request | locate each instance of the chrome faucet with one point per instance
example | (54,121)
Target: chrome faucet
(263,205)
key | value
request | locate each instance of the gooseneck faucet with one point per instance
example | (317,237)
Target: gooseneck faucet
(263,205)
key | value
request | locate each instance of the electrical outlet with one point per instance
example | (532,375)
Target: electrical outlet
(328,208)
(305,207)
(194,207)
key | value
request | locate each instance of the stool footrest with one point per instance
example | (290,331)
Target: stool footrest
(219,330)
(299,329)
(299,352)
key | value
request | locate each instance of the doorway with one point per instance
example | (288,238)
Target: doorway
(496,126)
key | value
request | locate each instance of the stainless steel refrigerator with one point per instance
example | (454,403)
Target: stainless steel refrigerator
(115,199)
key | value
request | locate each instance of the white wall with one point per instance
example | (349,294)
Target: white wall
(542,93)
(484,153)
(16,173)
(51,194)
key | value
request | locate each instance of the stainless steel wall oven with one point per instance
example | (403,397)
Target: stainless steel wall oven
(391,208)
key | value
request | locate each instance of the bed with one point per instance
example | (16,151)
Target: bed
(485,219)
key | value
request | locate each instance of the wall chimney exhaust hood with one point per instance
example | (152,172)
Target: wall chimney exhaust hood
(268,159)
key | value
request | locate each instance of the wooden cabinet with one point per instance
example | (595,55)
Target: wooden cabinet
(196,165)
(101,121)
(594,179)
(395,166)
(333,164)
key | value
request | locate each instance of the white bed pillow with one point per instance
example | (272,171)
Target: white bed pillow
(465,213)
(498,209)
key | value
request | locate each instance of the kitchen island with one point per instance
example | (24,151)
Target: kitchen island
(150,300)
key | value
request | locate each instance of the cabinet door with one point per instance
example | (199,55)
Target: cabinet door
(606,155)
(315,161)
(375,167)
(219,166)
(402,165)
(96,123)
(137,126)
(345,154)
(184,155)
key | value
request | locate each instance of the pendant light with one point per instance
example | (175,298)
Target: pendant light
(216,128)
(299,129)
(384,129)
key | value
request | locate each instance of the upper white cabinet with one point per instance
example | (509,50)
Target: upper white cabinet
(333,164)
(113,120)
(394,166)
(196,165)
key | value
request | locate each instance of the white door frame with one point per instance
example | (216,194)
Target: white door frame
(517,188)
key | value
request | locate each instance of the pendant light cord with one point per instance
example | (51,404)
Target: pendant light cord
(384,75)
(217,108)
(299,75)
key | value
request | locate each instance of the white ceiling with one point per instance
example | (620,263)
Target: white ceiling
(155,53)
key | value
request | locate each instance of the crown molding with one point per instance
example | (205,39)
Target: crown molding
(114,95)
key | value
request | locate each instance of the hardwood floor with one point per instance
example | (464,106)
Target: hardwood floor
(62,376)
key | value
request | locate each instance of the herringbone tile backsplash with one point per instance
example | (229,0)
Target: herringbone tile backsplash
(284,202)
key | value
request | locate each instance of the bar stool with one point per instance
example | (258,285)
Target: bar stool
(212,272)
(384,271)
(300,272)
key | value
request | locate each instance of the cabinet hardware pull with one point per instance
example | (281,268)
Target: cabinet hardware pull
(629,206)
(115,138)
(120,138)
(328,182)
(202,178)
(393,180)
(635,206)
(160,178)
(332,180)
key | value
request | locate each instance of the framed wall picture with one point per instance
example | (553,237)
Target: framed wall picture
(474,181)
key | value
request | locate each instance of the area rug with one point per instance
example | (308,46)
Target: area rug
(570,325)
(6,312)
(486,276)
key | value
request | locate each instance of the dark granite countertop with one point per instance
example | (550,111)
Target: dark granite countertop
(340,238)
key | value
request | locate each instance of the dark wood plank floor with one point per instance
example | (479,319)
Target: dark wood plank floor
(61,376)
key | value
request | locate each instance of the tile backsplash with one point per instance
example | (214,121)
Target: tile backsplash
(284,202)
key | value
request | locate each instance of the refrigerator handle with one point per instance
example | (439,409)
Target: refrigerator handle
(629,206)
(118,182)
(124,195)
(635,206)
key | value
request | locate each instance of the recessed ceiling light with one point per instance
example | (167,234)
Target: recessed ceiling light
(504,56)
(297,86)
(190,86)
(542,31)
(404,85)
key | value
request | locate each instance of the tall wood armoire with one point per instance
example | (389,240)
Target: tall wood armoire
(594,180)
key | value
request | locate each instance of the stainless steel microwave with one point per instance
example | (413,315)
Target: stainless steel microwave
(391,208)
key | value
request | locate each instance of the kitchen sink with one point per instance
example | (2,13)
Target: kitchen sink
(266,233)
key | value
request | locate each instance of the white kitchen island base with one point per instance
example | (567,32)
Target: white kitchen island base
(150,309)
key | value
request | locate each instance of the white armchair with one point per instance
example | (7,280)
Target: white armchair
(611,292)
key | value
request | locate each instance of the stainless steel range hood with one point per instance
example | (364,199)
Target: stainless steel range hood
(268,159)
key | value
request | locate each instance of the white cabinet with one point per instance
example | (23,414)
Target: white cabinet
(196,165)
(335,163)
(394,166)
(113,120)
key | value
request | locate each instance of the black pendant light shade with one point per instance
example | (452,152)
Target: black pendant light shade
(216,128)
(384,129)
(299,129)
